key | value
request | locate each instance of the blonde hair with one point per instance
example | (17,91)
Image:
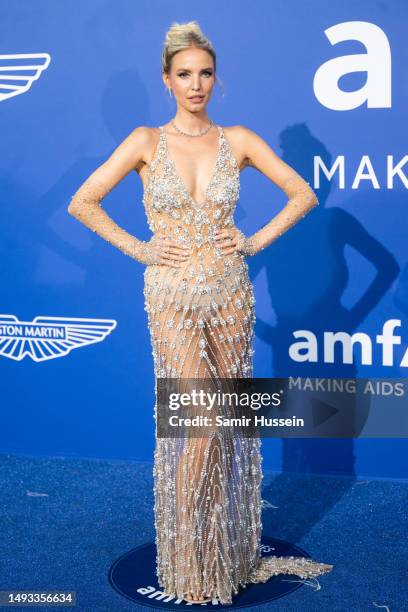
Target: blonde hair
(182,36)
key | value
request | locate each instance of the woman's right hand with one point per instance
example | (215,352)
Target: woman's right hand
(164,251)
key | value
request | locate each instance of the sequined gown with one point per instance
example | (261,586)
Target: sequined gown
(201,318)
(207,491)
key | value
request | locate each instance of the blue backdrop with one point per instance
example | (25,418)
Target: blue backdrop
(324,84)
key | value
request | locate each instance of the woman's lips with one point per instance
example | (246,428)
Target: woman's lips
(196,98)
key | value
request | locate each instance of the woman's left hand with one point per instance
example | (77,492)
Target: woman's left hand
(229,240)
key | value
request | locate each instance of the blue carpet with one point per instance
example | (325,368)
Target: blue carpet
(65,521)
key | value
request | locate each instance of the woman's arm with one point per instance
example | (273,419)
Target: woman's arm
(85,204)
(301,196)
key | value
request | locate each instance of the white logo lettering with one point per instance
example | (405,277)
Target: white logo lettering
(375,63)
(306,348)
(46,338)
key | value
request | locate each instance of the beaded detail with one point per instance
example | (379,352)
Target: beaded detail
(201,320)
(86,206)
(207,491)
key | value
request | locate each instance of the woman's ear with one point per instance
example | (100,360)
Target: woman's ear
(165,78)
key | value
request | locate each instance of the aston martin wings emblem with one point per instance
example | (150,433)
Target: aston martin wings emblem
(46,338)
(19,71)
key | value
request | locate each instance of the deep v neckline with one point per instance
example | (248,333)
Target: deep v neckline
(178,175)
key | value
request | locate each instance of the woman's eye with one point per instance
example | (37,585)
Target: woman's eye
(208,72)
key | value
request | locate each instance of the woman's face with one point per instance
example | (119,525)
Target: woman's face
(192,74)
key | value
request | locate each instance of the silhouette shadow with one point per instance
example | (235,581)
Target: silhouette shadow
(307,274)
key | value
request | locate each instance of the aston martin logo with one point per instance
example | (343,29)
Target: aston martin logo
(46,338)
(19,71)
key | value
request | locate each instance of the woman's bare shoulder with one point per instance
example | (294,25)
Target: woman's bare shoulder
(238,136)
(239,132)
(143,139)
(144,134)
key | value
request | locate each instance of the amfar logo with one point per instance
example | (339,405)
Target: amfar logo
(375,63)
(46,338)
(307,349)
(19,71)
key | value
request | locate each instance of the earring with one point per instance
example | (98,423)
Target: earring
(170,93)
(222,89)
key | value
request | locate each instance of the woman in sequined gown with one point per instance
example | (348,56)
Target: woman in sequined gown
(200,307)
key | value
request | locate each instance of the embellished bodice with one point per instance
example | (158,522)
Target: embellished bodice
(172,212)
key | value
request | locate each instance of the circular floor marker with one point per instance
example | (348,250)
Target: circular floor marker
(133,575)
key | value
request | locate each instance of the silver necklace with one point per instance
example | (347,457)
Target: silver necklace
(186,134)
